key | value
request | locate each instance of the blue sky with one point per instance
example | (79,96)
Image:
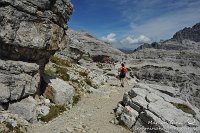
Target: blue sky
(130,23)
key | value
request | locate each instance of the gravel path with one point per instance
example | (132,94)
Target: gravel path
(91,115)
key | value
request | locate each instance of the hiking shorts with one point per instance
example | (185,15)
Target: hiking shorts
(121,76)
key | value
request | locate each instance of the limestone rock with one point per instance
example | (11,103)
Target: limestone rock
(26,108)
(58,91)
(43,110)
(147,108)
(17,80)
(185,83)
(30,32)
(84,46)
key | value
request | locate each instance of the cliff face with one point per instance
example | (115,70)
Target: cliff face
(192,34)
(30,32)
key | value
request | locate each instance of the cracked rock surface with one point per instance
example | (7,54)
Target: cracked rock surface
(145,108)
(30,32)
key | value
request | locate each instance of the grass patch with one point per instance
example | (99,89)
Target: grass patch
(12,129)
(84,74)
(122,124)
(49,72)
(60,61)
(184,108)
(59,72)
(53,113)
(76,99)
(62,73)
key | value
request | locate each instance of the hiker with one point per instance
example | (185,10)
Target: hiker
(122,74)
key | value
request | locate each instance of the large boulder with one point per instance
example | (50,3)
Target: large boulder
(58,91)
(26,108)
(31,31)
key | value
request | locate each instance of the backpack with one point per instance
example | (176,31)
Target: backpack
(123,71)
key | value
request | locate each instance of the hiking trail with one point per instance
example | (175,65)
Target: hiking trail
(92,114)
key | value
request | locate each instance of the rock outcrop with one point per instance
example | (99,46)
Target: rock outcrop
(174,62)
(147,108)
(58,91)
(188,33)
(30,32)
(82,45)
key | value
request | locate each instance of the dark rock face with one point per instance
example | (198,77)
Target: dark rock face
(192,34)
(30,32)
(146,45)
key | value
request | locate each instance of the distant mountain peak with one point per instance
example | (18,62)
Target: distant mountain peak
(192,34)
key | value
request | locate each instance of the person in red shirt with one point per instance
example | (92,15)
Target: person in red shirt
(122,74)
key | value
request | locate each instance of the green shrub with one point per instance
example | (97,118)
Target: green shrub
(59,72)
(60,61)
(62,73)
(50,72)
(84,74)
(121,123)
(16,129)
(184,108)
(76,99)
(53,113)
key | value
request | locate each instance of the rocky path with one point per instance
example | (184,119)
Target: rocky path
(93,114)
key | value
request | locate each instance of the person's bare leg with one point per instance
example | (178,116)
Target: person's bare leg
(122,82)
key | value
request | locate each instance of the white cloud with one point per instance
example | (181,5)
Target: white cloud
(109,38)
(131,40)
(164,26)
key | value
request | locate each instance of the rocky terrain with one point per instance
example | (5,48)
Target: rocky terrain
(166,99)
(181,63)
(54,80)
(83,45)
(30,32)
